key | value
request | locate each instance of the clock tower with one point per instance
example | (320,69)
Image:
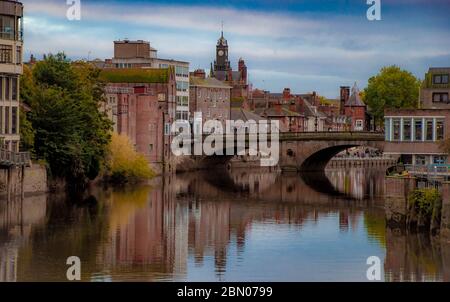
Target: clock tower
(221,63)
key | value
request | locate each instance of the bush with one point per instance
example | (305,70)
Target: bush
(424,209)
(125,164)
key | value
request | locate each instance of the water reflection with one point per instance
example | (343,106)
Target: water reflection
(227,225)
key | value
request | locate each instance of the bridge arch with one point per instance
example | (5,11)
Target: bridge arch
(311,152)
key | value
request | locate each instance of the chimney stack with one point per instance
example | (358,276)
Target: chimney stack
(345,94)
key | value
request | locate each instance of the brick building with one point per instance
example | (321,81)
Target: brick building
(209,96)
(140,54)
(141,104)
(354,109)
(415,135)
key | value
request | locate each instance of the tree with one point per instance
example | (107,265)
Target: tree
(392,87)
(71,133)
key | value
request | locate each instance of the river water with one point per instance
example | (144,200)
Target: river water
(239,225)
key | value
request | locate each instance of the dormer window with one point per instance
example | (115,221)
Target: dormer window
(440,79)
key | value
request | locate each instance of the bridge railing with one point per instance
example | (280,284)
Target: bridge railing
(334,135)
(11,158)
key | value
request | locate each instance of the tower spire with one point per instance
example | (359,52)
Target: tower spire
(222,30)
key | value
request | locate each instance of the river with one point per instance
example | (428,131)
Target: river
(239,225)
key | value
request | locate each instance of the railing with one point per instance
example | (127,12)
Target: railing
(429,171)
(10,158)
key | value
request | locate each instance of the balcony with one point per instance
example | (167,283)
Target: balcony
(10,158)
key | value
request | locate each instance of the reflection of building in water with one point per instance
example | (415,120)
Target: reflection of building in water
(16,220)
(147,229)
(357,183)
(416,257)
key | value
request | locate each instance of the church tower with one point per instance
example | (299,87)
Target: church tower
(221,63)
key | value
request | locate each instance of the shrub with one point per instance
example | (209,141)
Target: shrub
(124,163)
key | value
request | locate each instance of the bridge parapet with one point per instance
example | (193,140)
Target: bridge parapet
(333,136)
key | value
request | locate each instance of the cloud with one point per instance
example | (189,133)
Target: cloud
(317,50)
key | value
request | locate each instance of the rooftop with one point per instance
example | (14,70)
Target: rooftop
(208,82)
(135,75)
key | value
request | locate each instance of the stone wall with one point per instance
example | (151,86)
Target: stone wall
(396,204)
(34,180)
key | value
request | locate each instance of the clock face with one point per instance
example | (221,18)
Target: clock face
(220,53)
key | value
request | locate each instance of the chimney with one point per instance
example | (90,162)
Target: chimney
(243,70)
(286,93)
(345,94)
(200,73)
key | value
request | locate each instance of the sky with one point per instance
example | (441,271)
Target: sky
(304,45)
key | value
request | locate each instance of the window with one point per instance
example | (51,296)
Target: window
(14,88)
(161,97)
(6,120)
(429,130)
(5,53)
(439,129)
(18,55)
(439,160)
(1,119)
(440,97)
(182,101)
(406,159)
(166,129)
(440,79)
(421,160)
(7,27)
(418,130)
(163,66)
(396,127)
(7,88)
(14,120)
(358,125)
(150,148)
(406,130)
(387,129)
(1,88)
(182,86)
(181,71)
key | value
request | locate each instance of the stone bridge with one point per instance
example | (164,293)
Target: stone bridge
(311,151)
(299,151)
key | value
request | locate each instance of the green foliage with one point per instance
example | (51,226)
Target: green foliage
(424,201)
(135,75)
(27,133)
(125,164)
(392,87)
(71,134)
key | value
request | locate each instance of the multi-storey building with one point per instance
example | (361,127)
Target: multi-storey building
(209,96)
(11,13)
(141,104)
(140,54)
(415,135)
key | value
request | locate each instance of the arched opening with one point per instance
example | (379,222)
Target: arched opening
(319,160)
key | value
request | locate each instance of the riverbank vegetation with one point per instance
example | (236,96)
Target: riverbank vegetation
(124,164)
(61,125)
(424,209)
